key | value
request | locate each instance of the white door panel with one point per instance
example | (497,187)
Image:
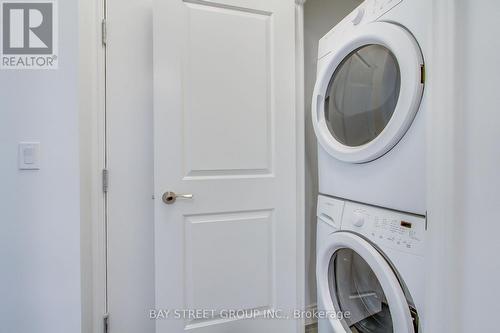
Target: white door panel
(225,132)
(227,76)
(209,282)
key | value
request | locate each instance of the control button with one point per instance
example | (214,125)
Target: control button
(358,16)
(358,220)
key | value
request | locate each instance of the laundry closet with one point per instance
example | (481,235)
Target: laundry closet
(368,113)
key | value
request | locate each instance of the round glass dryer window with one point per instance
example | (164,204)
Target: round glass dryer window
(357,293)
(362,95)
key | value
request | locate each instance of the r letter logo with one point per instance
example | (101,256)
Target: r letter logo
(29,35)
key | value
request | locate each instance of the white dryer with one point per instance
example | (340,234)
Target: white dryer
(369,105)
(370,272)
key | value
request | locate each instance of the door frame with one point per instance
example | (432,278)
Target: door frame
(92,117)
(301,162)
(93,148)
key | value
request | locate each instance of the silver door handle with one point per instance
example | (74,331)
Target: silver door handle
(171,197)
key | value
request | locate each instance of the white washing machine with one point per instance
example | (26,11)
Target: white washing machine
(369,105)
(370,272)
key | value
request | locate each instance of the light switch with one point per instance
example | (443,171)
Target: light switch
(29,156)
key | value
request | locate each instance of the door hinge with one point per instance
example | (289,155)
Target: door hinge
(105,180)
(105,323)
(104,32)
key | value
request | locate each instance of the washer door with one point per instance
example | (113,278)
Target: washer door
(368,94)
(358,285)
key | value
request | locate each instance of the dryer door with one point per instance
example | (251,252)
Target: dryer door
(367,95)
(359,290)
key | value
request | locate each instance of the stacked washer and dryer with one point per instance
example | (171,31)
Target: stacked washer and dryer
(369,119)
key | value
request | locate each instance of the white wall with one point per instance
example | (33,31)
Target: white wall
(39,210)
(464,185)
(319,17)
(480,119)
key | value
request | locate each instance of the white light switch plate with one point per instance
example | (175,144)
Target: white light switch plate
(29,155)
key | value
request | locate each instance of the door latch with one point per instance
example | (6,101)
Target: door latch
(171,197)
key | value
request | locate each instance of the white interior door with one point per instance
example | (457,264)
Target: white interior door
(224,122)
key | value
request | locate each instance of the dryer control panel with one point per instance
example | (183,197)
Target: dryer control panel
(376,8)
(386,228)
(368,11)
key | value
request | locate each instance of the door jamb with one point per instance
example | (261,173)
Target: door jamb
(300,154)
(92,116)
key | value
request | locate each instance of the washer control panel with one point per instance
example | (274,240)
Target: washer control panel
(386,228)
